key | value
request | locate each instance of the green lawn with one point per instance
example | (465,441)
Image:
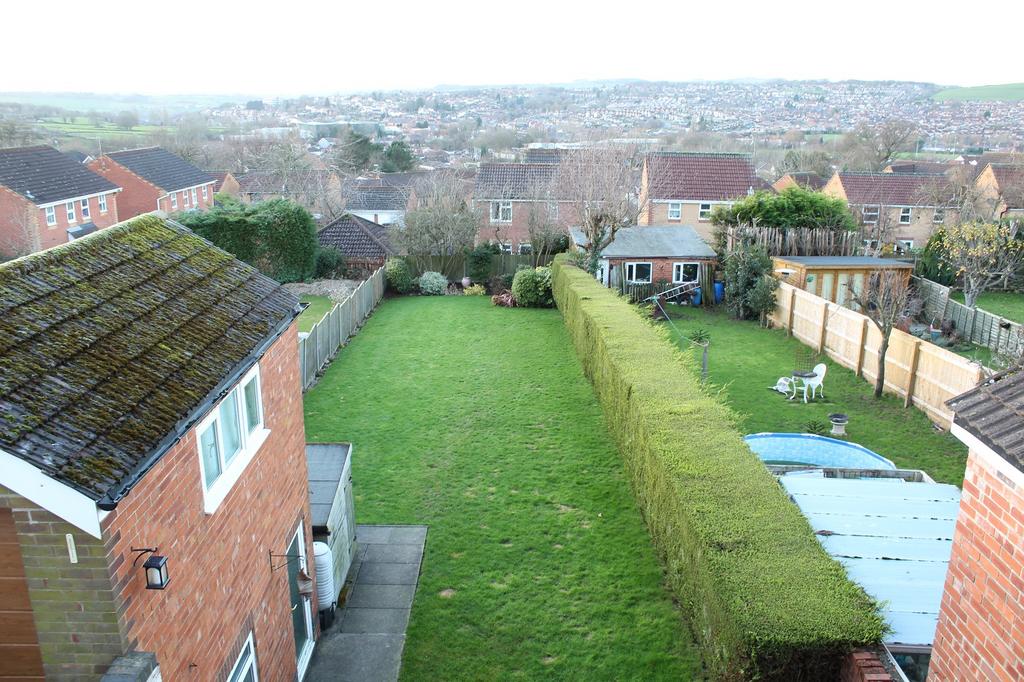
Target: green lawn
(318,307)
(1006,304)
(478,422)
(1007,92)
(745,360)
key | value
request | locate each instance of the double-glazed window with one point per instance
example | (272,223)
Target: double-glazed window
(245,669)
(206,193)
(869,214)
(184,197)
(51,215)
(675,211)
(229,437)
(195,200)
(939,216)
(685,272)
(85,209)
(103,203)
(525,249)
(70,208)
(174,201)
(905,214)
(638,273)
(501,211)
(704,214)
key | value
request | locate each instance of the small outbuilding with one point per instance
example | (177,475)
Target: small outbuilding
(834,278)
(649,255)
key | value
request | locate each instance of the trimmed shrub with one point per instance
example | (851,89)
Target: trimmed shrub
(475,290)
(478,261)
(396,272)
(532,288)
(433,284)
(329,263)
(762,596)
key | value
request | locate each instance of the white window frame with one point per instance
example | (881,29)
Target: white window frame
(506,247)
(69,207)
(498,211)
(206,193)
(864,213)
(704,214)
(174,200)
(306,654)
(906,215)
(102,201)
(675,211)
(905,244)
(184,197)
(630,269)
(552,210)
(195,197)
(246,663)
(525,249)
(51,215)
(679,265)
(251,441)
(939,215)
(86,213)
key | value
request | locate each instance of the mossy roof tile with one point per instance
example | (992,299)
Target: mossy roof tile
(111,345)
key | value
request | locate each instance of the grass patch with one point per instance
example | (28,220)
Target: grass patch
(745,360)
(478,421)
(1008,304)
(318,307)
(1006,92)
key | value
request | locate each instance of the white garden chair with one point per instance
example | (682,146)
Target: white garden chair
(814,383)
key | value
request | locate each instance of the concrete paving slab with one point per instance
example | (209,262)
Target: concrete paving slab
(375,621)
(373,535)
(373,573)
(394,554)
(408,535)
(381,597)
(344,657)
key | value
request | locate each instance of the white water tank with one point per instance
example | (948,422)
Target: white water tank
(326,595)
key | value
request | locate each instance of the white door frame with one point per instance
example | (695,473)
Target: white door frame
(306,654)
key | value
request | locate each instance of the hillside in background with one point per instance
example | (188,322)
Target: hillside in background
(1007,92)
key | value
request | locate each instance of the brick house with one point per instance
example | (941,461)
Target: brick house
(685,187)
(226,182)
(508,196)
(653,254)
(804,179)
(980,633)
(1000,190)
(48,198)
(176,436)
(154,179)
(901,209)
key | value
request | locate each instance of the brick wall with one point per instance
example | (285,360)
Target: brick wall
(980,633)
(72,604)
(864,666)
(221,583)
(19,229)
(137,195)
(657,214)
(661,267)
(517,231)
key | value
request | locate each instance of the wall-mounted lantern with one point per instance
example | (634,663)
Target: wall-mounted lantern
(155,567)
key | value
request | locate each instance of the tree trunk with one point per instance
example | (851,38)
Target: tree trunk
(882,350)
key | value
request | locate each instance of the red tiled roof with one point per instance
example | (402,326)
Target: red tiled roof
(696,176)
(513,180)
(1011,183)
(356,237)
(218,179)
(891,189)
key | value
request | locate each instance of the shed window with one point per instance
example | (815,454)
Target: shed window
(685,272)
(638,273)
(225,447)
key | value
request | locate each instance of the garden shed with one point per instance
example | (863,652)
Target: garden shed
(834,277)
(648,255)
(331,505)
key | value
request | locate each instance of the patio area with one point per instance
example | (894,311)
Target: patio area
(745,361)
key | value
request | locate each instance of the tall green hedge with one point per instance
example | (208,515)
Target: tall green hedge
(763,597)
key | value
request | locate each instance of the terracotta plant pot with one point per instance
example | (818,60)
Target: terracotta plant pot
(466,281)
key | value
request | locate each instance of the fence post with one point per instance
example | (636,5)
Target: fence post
(792,311)
(859,370)
(824,328)
(915,354)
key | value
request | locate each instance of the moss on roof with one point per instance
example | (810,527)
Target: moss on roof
(109,344)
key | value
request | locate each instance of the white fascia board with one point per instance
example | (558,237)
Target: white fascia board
(50,494)
(991,459)
(84,196)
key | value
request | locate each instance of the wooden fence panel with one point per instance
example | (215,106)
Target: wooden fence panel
(455,268)
(320,344)
(976,325)
(920,372)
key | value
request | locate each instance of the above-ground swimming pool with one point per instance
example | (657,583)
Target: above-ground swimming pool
(806,448)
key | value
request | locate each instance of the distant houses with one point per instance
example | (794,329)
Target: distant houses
(49,198)
(154,179)
(378,203)
(508,196)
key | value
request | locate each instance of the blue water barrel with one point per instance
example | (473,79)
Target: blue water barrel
(696,296)
(719,292)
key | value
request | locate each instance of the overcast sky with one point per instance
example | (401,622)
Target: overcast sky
(326,46)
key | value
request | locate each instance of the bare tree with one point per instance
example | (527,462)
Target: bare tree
(601,182)
(981,254)
(886,300)
(442,225)
(867,147)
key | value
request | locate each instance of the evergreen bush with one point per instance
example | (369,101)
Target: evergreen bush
(396,272)
(532,288)
(433,284)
